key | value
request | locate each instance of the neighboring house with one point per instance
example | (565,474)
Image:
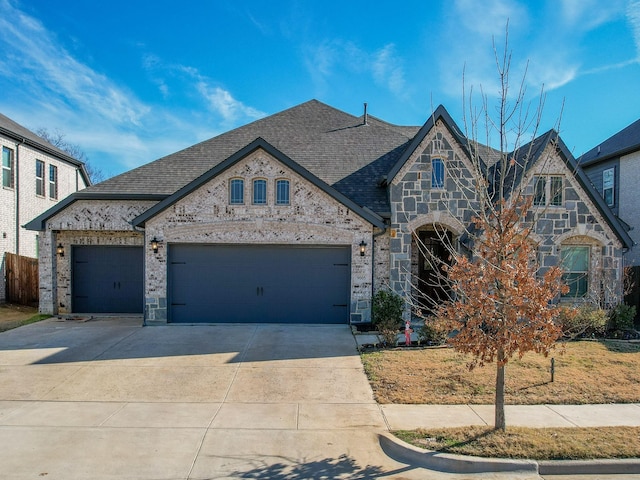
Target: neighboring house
(300,217)
(613,167)
(35,176)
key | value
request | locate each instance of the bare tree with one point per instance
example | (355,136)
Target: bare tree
(58,140)
(490,290)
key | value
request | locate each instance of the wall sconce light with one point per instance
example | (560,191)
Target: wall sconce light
(154,245)
(363,247)
(60,250)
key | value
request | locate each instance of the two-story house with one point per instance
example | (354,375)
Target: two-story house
(35,176)
(301,216)
(613,167)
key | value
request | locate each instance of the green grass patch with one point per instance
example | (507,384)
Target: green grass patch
(11,324)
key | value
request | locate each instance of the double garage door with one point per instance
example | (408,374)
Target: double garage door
(261,284)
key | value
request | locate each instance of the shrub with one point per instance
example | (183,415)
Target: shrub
(433,332)
(622,317)
(583,321)
(387,308)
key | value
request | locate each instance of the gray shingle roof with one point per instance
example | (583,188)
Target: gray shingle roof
(625,141)
(334,146)
(19,133)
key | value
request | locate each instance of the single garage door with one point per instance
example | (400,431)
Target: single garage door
(259,284)
(107,279)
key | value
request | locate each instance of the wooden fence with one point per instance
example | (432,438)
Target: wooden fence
(22,279)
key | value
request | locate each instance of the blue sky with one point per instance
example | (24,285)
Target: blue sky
(131,81)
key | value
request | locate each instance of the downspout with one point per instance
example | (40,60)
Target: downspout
(17,190)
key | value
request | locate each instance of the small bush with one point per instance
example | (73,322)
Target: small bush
(432,332)
(583,321)
(387,311)
(621,317)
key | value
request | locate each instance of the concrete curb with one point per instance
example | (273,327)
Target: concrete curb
(623,466)
(406,453)
(445,462)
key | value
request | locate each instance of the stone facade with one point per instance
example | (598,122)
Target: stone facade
(416,205)
(206,217)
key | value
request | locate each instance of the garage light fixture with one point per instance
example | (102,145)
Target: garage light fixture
(154,245)
(363,247)
(60,250)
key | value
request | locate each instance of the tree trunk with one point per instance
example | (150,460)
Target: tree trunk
(500,421)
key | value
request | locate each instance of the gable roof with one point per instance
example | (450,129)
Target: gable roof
(439,113)
(258,143)
(14,130)
(624,142)
(334,146)
(528,155)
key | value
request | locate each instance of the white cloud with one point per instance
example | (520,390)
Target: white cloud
(633,17)
(52,88)
(223,103)
(333,57)
(387,69)
(589,14)
(50,70)
(488,17)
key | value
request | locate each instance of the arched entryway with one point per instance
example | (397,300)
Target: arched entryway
(432,249)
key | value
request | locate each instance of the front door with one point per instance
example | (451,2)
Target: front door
(434,252)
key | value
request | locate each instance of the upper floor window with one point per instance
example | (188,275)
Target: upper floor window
(608,186)
(548,190)
(575,263)
(53,181)
(282,192)
(236,191)
(437,173)
(260,192)
(40,178)
(7,167)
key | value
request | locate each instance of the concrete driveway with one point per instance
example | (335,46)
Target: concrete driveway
(111,399)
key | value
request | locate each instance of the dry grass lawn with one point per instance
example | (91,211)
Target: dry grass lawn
(13,316)
(587,372)
(536,444)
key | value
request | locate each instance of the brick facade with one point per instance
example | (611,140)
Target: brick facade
(21,203)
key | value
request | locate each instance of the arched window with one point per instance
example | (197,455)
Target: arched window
(282,192)
(236,191)
(259,192)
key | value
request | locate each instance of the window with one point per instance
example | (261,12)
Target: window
(540,189)
(548,190)
(53,181)
(7,167)
(437,173)
(575,262)
(282,192)
(40,178)
(259,192)
(608,186)
(555,195)
(236,191)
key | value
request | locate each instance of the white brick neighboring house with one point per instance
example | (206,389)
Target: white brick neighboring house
(298,217)
(35,176)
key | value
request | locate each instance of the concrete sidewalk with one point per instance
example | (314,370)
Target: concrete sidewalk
(410,417)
